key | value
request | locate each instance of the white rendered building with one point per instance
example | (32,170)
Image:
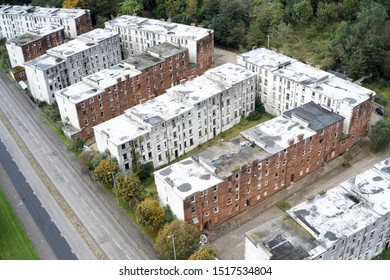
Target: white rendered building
(17,20)
(174,123)
(283,83)
(138,34)
(348,222)
(69,63)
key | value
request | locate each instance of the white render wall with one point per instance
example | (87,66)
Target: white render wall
(16,24)
(15,54)
(44,82)
(199,122)
(284,83)
(168,197)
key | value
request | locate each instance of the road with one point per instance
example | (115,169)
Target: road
(106,232)
(49,230)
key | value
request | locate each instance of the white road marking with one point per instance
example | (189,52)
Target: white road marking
(57,168)
(128,257)
(74,190)
(105,229)
(117,244)
(66,179)
(43,149)
(12,109)
(94,215)
(84,202)
(50,159)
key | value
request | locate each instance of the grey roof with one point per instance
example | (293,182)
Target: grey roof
(166,50)
(314,115)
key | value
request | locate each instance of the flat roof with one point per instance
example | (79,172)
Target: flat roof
(282,239)
(44,62)
(313,116)
(311,77)
(372,187)
(334,215)
(35,34)
(274,135)
(227,157)
(109,76)
(79,92)
(187,177)
(166,50)
(343,90)
(198,89)
(166,28)
(81,43)
(121,129)
(142,61)
(37,11)
(159,109)
(267,59)
(229,73)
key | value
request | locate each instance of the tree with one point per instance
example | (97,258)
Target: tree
(129,187)
(70,4)
(129,7)
(76,145)
(105,171)
(186,239)
(380,134)
(207,253)
(150,215)
(302,12)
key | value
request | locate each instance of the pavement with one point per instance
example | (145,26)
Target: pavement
(228,238)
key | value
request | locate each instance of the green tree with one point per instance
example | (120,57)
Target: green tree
(76,145)
(129,7)
(150,215)
(302,12)
(207,253)
(105,171)
(129,187)
(380,134)
(70,4)
(186,239)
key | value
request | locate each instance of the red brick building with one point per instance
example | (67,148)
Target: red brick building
(106,94)
(32,45)
(225,180)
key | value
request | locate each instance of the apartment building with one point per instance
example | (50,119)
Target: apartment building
(109,92)
(138,34)
(222,181)
(283,83)
(33,44)
(17,20)
(68,63)
(348,222)
(176,122)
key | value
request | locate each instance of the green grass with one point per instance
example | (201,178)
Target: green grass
(284,205)
(14,242)
(382,90)
(385,255)
(57,130)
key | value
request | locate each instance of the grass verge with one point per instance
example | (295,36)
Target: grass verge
(14,242)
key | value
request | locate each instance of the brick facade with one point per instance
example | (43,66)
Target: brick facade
(130,91)
(256,181)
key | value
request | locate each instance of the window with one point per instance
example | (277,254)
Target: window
(237,187)
(192,199)
(216,210)
(237,197)
(215,199)
(215,189)
(193,209)
(229,190)
(229,201)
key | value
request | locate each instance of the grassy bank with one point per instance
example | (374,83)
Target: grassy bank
(14,242)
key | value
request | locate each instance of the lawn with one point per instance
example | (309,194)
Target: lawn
(14,242)
(385,255)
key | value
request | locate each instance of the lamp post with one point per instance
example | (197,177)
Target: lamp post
(173,245)
(114,186)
